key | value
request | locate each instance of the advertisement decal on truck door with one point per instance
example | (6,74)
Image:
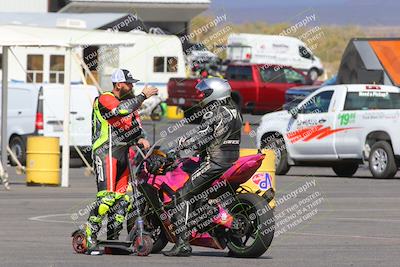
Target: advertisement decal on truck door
(316,132)
(315,111)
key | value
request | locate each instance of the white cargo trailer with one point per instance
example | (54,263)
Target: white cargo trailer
(153,59)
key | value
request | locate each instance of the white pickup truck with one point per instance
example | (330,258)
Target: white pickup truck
(339,126)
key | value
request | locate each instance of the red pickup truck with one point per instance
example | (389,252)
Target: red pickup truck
(255,87)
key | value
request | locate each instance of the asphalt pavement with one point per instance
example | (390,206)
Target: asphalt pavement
(347,222)
(323,220)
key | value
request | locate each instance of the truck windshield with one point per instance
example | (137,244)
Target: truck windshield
(273,75)
(304,52)
(281,75)
(372,100)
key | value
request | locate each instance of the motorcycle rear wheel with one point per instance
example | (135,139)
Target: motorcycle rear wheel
(256,227)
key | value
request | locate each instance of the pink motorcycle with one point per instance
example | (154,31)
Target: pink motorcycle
(231,215)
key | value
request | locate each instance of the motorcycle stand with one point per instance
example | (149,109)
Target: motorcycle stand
(139,244)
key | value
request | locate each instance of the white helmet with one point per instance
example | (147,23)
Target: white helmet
(213,89)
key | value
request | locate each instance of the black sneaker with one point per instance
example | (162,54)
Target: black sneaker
(92,248)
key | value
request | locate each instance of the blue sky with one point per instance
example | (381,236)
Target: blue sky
(359,12)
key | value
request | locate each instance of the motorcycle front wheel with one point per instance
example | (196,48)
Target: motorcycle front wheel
(254,227)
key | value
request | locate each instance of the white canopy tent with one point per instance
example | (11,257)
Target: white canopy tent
(28,36)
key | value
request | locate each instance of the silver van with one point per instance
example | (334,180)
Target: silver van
(38,109)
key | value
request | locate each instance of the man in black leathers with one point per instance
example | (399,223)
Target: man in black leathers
(218,140)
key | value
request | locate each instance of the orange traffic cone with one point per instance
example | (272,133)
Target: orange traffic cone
(247,128)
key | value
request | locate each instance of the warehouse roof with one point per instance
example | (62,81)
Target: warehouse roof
(150,1)
(92,20)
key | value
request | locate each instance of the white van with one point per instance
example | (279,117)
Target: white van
(274,50)
(38,109)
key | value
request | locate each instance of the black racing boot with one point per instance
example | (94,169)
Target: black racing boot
(116,218)
(91,241)
(182,247)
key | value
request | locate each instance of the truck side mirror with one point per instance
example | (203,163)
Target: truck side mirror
(285,107)
(294,112)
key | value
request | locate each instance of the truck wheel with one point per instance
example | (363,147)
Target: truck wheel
(345,169)
(382,163)
(281,163)
(17,146)
(313,74)
(281,158)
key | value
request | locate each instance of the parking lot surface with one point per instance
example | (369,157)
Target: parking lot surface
(346,222)
(343,221)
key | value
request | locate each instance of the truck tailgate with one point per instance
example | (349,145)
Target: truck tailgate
(182,92)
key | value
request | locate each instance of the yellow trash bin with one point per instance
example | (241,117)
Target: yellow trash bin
(174,113)
(43,161)
(266,172)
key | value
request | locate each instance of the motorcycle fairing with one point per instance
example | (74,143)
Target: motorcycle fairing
(205,240)
(172,181)
(242,169)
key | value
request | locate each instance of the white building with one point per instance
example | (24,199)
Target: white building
(24,6)
(153,59)
(155,16)
(172,16)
